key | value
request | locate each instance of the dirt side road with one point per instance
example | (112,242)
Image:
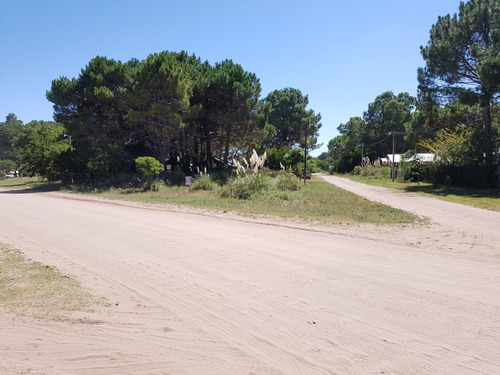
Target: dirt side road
(195,294)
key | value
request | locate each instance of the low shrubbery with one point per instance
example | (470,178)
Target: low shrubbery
(373,172)
(204,182)
(248,185)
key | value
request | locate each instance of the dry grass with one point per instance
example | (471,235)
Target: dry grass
(32,289)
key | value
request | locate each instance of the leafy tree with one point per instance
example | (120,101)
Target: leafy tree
(231,110)
(148,166)
(463,63)
(294,160)
(7,166)
(452,146)
(93,106)
(40,144)
(344,153)
(388,113)
(160,102)
(370,135)
(8,131)
(290,117)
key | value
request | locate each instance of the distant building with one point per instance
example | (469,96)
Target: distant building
(419,158)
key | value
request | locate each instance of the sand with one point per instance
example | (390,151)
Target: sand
(197,292)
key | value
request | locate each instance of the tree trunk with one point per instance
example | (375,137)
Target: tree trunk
(226,148)
(489,148)
(208,142)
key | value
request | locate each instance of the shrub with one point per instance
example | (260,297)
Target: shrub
(357,170)
(148,166)
(287,181)
(376,172)
(204,183)
(220,178)
(244,187)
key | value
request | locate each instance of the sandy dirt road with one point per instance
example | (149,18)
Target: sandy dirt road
(193,293)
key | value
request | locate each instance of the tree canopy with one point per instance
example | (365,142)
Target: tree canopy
(173,107)
(370,134)
(463,64)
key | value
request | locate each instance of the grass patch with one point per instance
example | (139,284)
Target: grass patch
(30,183)
(488,199)
(274,194)
(317,201)
(32,289)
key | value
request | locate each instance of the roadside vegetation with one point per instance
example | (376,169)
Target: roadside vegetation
(123,128)
(34,290)
(488,199)
(317,201)
(280,194)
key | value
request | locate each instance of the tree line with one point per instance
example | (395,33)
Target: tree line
(171,106)
(455,114)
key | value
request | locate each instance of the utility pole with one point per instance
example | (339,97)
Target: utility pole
(393,151)
(305,151)
(362,145)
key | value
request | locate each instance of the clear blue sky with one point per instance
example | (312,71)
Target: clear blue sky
(341,53)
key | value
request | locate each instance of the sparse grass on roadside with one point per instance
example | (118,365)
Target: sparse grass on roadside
(480,198)
(29,183)
(318,201)
(32,289)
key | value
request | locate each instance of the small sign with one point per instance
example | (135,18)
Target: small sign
(189,180)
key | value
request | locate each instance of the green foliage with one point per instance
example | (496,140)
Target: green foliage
(276,158)
(168,105)
(323,165)
(148,166)
(389,112)
(248,185)
(178,177)
(381,173)
(462,64)
(8,131)
(220,178)
(294,160)
(7,166)
(40,144)
(287,181)
(204,183)
(290,117)
(357,170)
(452,147)
(160,101)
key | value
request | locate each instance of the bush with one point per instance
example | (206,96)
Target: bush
(357,170)
(220,178)
(244,187)
(204,183)
(148,166)
(287,181)
(376,172)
